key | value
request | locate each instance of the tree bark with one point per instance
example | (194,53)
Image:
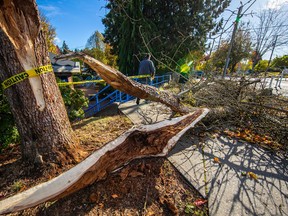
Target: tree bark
(36,103)
(146,141)
(119,81)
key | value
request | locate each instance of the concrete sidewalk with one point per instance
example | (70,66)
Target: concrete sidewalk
(146,112)
(227,190)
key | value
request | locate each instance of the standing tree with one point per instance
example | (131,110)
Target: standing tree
(280,62)
(96,40)
(167,29)
(98,49)
(241,50)
(64,48)
(272,23)
(50,34)
(36,102)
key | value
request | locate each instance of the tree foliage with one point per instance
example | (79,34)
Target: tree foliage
(8,130)
(241,50)
(98,49)
(96,40)
(280,62)
(64,48)
(75,101)
(261,66)
(168,29)
(50,34)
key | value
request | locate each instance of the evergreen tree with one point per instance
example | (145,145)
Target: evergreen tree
(167,29)
(64,48)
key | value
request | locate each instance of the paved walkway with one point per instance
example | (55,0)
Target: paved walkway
(227,190)
(146,112)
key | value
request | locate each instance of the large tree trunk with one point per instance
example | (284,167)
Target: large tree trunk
(149,140)
(119,81)
(36,103)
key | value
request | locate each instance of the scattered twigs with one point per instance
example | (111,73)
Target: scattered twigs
(242,104)
(265,106)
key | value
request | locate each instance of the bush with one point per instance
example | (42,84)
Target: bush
(74,101)
(8,130)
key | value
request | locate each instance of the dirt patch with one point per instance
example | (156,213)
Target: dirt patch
(143,187)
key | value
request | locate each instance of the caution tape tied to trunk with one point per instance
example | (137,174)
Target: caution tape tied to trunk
(24,75)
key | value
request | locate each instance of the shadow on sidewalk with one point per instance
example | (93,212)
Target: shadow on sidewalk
(229,191)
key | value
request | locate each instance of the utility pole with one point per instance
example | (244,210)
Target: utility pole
(212,46)
(232,39)
(274,44)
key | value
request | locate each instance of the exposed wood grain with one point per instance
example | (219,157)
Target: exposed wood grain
(119,81)
(146,141)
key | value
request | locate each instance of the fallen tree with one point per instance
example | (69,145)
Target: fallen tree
(146,141)
(124,84)
(241,104)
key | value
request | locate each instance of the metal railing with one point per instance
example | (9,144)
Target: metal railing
(101,100)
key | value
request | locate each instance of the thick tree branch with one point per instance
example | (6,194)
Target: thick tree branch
(119,81)
(146,141)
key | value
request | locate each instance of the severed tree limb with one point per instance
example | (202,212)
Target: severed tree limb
(119,81)
(265,106)
(146,141)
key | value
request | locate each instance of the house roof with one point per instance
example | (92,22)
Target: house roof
(64,66)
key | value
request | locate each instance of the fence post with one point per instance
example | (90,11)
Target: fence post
(270,85)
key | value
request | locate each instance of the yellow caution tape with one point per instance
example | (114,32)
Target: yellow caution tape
(139,76)
(97,81)
(24,75)
(81,82)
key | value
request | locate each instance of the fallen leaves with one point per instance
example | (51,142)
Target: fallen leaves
(200,202)
(252,175)
(114,196)
(171,205)
(217,160)
(93,197)
(251,137)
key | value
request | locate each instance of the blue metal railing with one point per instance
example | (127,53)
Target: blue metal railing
(99,101)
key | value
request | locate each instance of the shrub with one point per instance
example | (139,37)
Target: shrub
(75,101)
(8,130)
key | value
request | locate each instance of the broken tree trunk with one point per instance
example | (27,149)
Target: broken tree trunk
(146,141)
(36,102)
(119,81)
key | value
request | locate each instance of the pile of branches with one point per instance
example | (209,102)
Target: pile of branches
(241,104)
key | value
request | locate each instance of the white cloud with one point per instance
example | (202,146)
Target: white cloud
(57,40)
(276,4)
(50,10)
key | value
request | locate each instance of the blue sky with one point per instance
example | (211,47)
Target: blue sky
(76,20)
